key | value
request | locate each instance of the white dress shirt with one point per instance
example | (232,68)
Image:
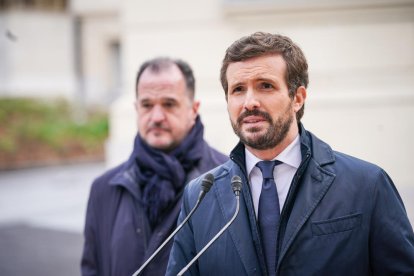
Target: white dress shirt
(283,173)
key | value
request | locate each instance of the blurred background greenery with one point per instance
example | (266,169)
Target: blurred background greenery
(44,132)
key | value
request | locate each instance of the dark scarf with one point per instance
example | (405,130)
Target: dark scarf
(162,176)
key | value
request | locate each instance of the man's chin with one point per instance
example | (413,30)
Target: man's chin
(160,144)
(253,133)
(253,139)
(254,129)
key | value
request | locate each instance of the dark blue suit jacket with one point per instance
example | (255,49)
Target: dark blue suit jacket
(118,238)
(342,216)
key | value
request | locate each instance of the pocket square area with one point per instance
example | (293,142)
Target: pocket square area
(336,225)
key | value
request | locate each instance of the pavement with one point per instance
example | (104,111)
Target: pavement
(42,214)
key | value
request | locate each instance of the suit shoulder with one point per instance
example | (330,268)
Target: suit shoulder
(216,156)
(101,183)
(193,187)
(354,161)
(354,166)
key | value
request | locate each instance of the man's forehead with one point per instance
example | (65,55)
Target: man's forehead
(271,61)
(148,86)
(162,91)
(266,66)
(168,80)
(167,74)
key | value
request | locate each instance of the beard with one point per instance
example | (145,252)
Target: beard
(274,135)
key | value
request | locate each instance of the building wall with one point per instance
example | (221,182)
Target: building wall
(99,36)
(361,95)
(72,52)
(100,50)
(86,7)
(36,54)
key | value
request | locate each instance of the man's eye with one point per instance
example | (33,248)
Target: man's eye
(169,104)
(266,85)
(146,105)
(237,89)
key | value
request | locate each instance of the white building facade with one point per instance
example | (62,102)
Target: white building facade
(360,55)
(361,64)
(60,48)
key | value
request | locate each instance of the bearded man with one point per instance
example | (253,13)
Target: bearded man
(304,209)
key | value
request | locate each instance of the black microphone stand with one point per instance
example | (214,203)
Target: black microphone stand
(236,185)
(206,184)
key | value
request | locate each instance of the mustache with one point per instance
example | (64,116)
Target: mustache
(254,112)
(158,125)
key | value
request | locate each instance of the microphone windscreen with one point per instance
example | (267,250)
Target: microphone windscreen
(236,184)
(207,182)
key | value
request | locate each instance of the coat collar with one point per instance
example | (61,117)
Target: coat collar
(310,145)
(127,175)
(310,184)
(126,178)
(320,151)
(245,237)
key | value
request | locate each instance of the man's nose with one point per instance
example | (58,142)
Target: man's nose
(157,114)
(251,100)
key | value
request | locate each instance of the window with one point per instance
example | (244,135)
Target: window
(54,5)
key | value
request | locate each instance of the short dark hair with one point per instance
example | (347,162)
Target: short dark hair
(159,64)
(261,44)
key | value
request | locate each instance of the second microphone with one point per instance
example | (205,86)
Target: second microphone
(210,228)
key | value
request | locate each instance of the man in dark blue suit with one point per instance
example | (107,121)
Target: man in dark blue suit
(133,207)
(305,209)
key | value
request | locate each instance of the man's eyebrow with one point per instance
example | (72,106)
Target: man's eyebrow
(169,99)
(267,79)
(144,100)
(236,84)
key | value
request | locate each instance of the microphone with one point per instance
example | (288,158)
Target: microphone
(236,185)
(206,184)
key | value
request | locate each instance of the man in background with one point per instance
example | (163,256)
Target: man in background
(305,209)
(134,207)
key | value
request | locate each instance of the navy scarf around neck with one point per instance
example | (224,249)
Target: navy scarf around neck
(161,176)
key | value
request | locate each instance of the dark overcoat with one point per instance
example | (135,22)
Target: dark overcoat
(342,216)
(118,238)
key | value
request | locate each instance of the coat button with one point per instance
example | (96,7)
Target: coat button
(138,230)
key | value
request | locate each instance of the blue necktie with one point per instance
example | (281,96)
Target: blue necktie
(269,213)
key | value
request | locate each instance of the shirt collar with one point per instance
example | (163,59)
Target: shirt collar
(291,156)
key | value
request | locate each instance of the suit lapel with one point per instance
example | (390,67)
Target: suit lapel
(240,230)
(312,189)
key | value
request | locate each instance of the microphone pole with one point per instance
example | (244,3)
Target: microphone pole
(206,184)
(236,185)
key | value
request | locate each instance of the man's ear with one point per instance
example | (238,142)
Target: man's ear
(300,98)
(195,108)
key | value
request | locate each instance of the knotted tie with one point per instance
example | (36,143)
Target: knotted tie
(269,213)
